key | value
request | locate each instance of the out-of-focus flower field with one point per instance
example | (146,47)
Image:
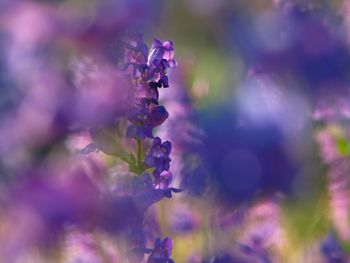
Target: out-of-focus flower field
(188,131)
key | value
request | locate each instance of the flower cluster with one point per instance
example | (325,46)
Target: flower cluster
(158,155)
(147,71)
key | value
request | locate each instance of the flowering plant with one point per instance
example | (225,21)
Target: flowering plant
(150,177)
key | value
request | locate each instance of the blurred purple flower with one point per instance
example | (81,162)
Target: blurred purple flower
(162,180)
(256,250)
(56,202)
(80,246)
(225,258)
(145,192)
(135,50)
(181,128)
(337,175)
(184,219)
(102,93)
(332,251)
(161,252)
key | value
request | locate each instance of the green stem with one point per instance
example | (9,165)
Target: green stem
(125,159)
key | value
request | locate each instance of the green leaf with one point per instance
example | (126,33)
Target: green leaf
(345,245)
(105,142)
(343,146)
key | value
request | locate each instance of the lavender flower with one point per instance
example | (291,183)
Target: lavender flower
(141,127)
(158,155)
(160,58)
(161,51)
(135,51)
(163,180)
(144,119)
(148,93)
(146,192)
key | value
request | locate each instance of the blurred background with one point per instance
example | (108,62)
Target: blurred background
(259,110)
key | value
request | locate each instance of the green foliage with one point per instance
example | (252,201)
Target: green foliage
(345,246)
(104,140)
(343,146)
(307,218)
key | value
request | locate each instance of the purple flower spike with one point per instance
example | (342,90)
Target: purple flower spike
(161,252)
(331,249)
(147,75)
(158,155)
